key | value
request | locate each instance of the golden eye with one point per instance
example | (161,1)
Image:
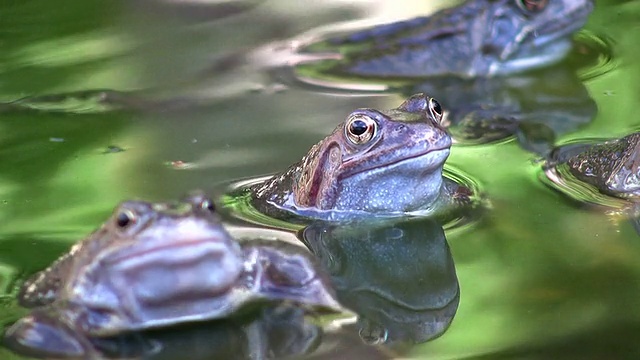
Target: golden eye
(435,109)
(126,218)
(360,129)
(532,6)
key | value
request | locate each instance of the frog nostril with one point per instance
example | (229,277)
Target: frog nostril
(489,49)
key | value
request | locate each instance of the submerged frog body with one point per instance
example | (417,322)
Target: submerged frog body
(376,162)
(477,38)
(155,265)
(612,166)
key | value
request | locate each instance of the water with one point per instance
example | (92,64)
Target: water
(540,276)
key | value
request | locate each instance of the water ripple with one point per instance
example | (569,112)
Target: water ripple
(238,204)
(593,54)
(99,101)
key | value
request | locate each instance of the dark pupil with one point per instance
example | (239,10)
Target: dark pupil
(436,107)
(123,219)
(208,204)
(358,127)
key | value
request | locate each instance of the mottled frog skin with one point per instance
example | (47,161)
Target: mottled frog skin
(477,38)
(612,166)
(376,162)
(605,173)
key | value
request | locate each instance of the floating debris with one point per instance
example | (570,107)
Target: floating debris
(113,149)
(180,165)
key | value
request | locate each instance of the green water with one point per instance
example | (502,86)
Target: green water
(540,276)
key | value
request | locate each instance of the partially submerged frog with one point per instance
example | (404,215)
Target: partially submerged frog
(156,265)
(604,173)
(477,38)
(374,163)
(612,166)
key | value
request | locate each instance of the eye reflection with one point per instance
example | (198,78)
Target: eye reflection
(435,109)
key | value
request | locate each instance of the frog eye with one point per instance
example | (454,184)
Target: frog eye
(207,204)
(532,6)
(125,219)
(360,129)
(199,201)
(435,109)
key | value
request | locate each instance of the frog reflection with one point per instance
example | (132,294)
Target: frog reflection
(273,332)
(479,38)
(399,277)
(534,107)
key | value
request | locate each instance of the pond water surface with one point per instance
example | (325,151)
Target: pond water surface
(540,276)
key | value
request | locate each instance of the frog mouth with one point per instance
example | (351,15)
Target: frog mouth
(575,20)
(196,268)
(550,40)
(183,250)
(438,156)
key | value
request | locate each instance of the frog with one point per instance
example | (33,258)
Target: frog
(611,166)
(478,38)
(155,265)
(599,174)
(375,163)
